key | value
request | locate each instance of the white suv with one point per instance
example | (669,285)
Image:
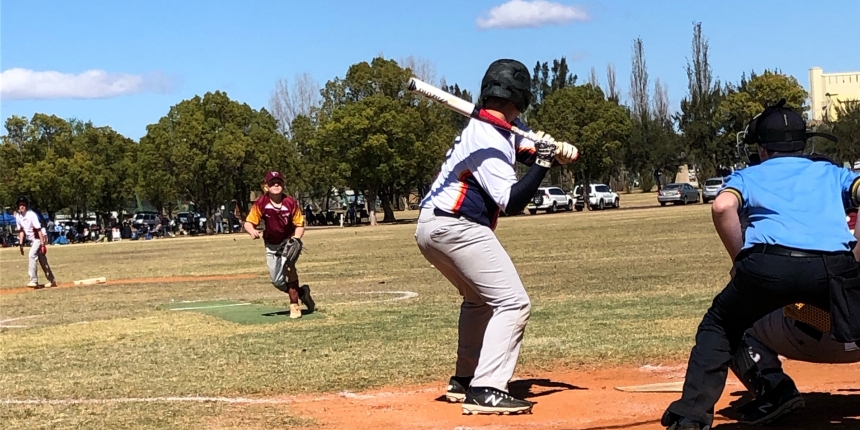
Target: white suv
(550,199)
(600,197)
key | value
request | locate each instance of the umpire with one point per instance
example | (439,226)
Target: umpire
(796,249)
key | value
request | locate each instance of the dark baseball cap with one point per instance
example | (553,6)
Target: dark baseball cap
(271,176)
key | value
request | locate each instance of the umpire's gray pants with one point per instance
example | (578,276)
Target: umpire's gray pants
(36,259)
(776,335)
(281,272)
(495,306)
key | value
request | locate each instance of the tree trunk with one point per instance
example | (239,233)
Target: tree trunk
(370,202)
(387,210)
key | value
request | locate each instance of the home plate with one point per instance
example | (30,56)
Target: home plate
(660,387)
(91,281)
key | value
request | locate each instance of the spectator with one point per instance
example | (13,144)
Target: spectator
(219,226)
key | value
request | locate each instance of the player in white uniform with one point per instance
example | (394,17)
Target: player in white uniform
(30,228)
(455,234)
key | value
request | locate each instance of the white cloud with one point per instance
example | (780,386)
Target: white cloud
(24,84)
(533,13)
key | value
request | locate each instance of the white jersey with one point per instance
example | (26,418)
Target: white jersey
(29,224)
(476,177)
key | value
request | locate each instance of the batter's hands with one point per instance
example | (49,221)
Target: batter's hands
(43,249)
(566,153)
(545,153)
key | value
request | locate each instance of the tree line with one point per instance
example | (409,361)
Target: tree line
(364,132)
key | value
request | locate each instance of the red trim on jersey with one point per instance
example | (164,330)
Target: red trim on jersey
(494,221)
(464,187)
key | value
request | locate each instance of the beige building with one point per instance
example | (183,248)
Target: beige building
(829,90)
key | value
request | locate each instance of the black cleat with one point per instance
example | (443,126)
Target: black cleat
(674,421)
(457,387)
(487,400)
(772,405)
(306,298)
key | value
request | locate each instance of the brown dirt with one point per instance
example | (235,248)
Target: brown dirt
(166,279)
(587,400)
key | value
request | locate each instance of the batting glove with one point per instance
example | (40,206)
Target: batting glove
(566,153)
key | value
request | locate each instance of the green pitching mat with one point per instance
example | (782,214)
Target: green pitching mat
(240,312)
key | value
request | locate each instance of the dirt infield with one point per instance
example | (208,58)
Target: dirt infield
(166,279)
(587,400)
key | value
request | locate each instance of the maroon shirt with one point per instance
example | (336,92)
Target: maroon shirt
(280,222)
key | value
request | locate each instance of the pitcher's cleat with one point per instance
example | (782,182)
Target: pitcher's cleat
(295,310)
(306,298)
(457,387)
(490,401)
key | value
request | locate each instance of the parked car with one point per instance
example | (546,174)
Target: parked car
(151,219)
(550,199)
(599,197)
(712,188)
(678,193)
(191,222)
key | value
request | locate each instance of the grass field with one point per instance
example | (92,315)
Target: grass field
(608,287)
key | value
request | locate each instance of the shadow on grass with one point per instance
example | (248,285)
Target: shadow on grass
(284,313)
(822,411)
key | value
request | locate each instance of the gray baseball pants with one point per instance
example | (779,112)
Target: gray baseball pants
(281,272)
(495,306)
(776,335)
(38,259)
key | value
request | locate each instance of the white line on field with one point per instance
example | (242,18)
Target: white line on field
(403,296)
(19,318)
(4,325)
(211,307)
(285,400)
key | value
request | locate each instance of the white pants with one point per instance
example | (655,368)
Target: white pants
(495,308)
(776,334)
(36,257)
(281,272)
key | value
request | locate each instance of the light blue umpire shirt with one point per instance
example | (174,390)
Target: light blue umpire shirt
(796,203)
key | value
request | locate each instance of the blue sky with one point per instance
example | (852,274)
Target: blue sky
(154,54)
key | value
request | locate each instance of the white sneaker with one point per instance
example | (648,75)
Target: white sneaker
(32,284)
(295,310)
(50,284)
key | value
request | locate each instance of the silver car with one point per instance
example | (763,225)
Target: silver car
(678,193)
(712,188)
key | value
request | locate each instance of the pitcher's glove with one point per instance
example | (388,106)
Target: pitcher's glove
(292,248)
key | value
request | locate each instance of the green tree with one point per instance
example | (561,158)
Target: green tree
(110,158)
(741,102)
(845,127)
(696,119)
(583,116)
(210,149)
(383,138)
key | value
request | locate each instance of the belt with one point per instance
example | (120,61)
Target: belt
(789,252)
(440,212)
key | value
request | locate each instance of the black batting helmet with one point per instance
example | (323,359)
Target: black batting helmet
(22,200)
(510,80)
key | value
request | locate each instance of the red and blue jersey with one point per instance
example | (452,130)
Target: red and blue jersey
(476,177)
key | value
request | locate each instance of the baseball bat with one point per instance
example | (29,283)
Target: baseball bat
(468,109)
